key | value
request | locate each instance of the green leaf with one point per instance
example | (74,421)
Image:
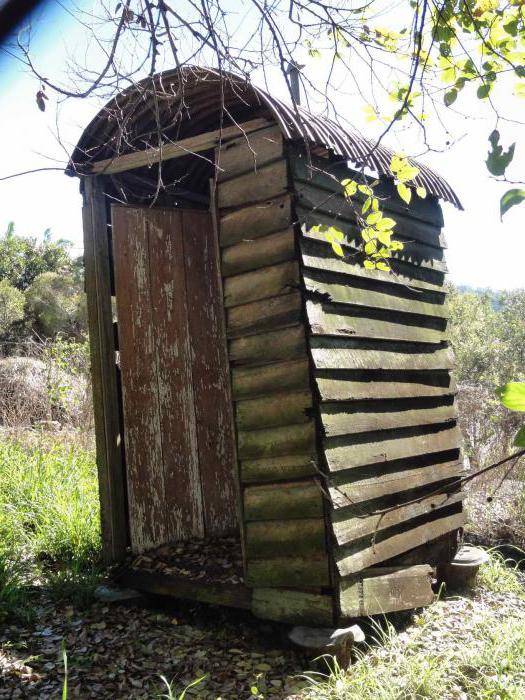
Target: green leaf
(510,199)
(519,440)
(483,91)
(374,218)
(450,97)
(382,266)
(337,249)
(498,159)
(366,205)
(369,265)
(512,396)
(349,186)
(421,192)
(384,237)
(386,223)
(370,247)
(404,192)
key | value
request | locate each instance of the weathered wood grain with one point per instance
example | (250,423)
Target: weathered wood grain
(292,572)
(272,442)
(348,456)
(274,539)
(293,607)
(278,468)
(275,410)
(285,501)
(250,222)
(274,346)
(254,253)
(268,379)
(270,281)
(266,183)
(341,388)
(384,590)
(250,152)
(264,315)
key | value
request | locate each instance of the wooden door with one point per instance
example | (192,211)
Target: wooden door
(175,383)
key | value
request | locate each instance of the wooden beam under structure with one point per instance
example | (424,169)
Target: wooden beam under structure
(168,151)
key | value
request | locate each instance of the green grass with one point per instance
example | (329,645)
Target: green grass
(49,520)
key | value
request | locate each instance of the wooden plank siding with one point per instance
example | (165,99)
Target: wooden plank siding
(386,399)
(282,501)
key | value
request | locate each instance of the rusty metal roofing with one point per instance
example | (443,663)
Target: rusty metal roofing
(180,103)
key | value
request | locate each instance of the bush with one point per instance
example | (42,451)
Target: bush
(11,306)
(56,304)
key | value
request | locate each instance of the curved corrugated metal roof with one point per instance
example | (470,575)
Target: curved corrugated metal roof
(194,100)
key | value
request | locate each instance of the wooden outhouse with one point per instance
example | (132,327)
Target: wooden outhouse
(276,425)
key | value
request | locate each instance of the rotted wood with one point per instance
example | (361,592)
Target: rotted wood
(273,442)
(110,463)
(347,492)
(344,419)
(291,572)
(276,539)
(347,529)
(279,468)
(276,410)
(251,254)
(250,152)
(285,501)
(250,382)
(293,607)
(350,560)
(384,590)
(274,346)
(264,315)
(340,388)
(330,319)
(266,183)
(325,288)
(256,220)
(340,456)
(270,281)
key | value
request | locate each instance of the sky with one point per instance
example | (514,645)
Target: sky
(482,250)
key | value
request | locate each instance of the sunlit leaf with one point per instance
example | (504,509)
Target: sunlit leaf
(366,205)
(385,224)
(370,247)
(510,199)
(512,396)
(404,192)
(421,192)
(373,218)
(381,265)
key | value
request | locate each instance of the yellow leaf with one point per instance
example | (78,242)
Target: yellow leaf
(370,247)
(337,249)
(366,205)
(386,223)
(421,192)
(369,265)
(384,237)
(374,217)
(350,187)
(383,266)
(365,189)
(404,192)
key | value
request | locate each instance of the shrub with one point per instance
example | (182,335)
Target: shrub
(11,306)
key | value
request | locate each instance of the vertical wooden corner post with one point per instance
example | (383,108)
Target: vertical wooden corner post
(103,372)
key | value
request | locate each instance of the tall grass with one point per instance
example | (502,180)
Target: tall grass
(49,518)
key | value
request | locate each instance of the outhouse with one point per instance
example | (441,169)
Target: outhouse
(275,425)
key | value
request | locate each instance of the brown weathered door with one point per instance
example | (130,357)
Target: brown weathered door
(177,412)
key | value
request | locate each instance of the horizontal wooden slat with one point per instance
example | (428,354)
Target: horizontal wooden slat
(264,315)
(274,539)
(286,501)
(193,144)
(272,442)
(340,419)
(278,468)
(329,353)
(250,152)
(293,607)
(348,492)
(319,255)
(294,572)
(256,220)
(254,253)
(349,529)
(268,379)
(339,388)
(384,590)
(270,281)
(351,563)
(267,182)
(341,456)
(278,409)
(287,344)
(372,299)
(327,319)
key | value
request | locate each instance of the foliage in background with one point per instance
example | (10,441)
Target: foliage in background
(55,303)
(11,306)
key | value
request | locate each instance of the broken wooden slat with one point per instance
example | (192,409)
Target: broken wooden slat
(277,409)
(270,281)
(349,561)
(272,442)
(293,607)
(279,538)
(287,344)
(348,529)
(251,254)
(264,315)
(285,501)
(293,572)
(280,376)
(250,152)
(339,388)
(329,353)
(340,457)
(256,220)
(327,319)
(278,468)
(267,182)
(380,591)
